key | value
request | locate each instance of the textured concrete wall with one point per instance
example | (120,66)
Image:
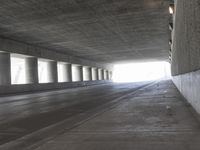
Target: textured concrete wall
(186,50)
(189,85)
(186,39)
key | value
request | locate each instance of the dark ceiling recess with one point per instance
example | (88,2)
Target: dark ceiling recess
(99,30)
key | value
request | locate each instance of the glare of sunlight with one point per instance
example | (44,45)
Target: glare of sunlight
(18,69)
(43,71)
(76,73)
(61,72)
(136,72)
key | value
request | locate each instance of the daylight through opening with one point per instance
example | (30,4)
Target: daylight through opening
(136,72)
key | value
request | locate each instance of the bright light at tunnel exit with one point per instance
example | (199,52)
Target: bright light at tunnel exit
(137,72)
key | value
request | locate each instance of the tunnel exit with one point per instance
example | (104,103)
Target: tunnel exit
(136,72)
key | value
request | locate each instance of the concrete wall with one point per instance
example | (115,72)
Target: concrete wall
(27,88)
(33,84)
(186,38)
(32,54)
(189,85)
(12,46)
(186,50)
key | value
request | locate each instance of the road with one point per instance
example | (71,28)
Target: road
(24,115)
(131,116)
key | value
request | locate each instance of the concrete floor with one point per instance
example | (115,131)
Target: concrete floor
(140,116)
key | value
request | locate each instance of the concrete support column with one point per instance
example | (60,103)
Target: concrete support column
(90,73)
(97,75)
(5,69)
(107,75)
(87,73)
(104,74)
(110,75)
(77,73)
(94,74)
(32,70)
(100,74)
(80,68)
(68,73)
(53,75)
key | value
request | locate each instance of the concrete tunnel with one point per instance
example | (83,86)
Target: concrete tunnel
(57,64)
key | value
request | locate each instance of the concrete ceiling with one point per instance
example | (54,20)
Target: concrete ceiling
(101,30)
